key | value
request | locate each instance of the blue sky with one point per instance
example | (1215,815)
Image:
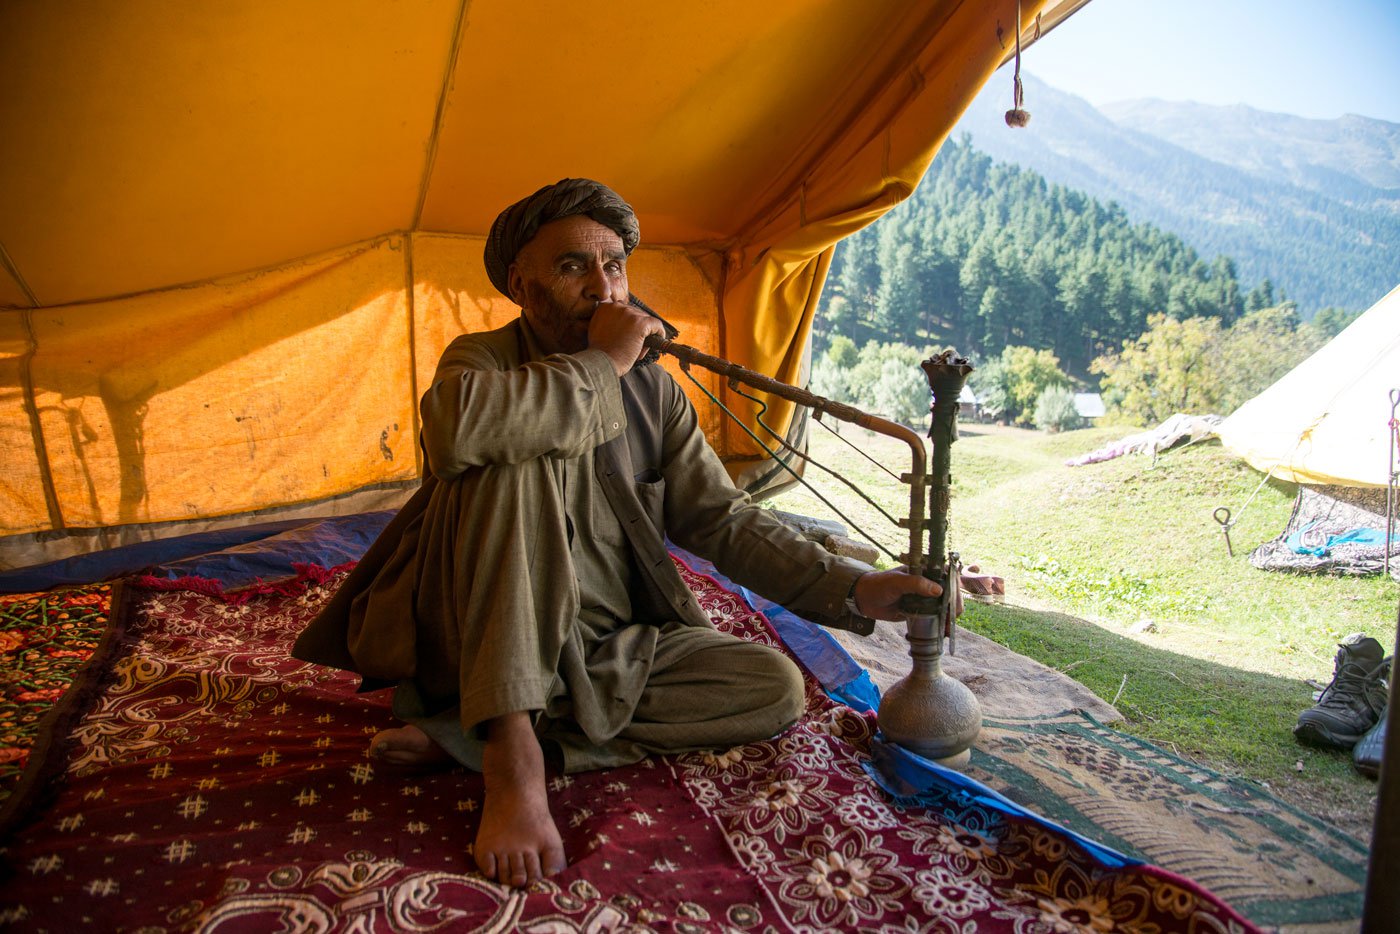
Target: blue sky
(1312,58)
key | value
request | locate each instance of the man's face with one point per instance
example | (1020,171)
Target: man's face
(561,276)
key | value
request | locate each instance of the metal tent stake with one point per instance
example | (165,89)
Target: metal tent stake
(927,712)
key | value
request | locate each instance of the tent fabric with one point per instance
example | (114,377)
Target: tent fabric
(235,237)
(1327,421)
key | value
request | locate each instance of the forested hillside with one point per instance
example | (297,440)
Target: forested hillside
(984,256)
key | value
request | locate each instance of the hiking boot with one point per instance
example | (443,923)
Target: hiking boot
(1355,699)
(1367,754)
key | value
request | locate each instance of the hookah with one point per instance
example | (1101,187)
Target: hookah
(927,712)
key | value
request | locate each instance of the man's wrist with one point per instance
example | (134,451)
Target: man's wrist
(851,606)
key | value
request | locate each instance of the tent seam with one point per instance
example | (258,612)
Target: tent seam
(36,425)
(1360,372)
(813,157)
(13,270)
(1040,28)
(352,249)
(451,69)
(409,287)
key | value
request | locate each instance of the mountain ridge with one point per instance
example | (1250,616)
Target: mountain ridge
(1324,246)
(1363,149)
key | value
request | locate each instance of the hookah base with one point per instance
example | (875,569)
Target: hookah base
(957,761)
(933,716)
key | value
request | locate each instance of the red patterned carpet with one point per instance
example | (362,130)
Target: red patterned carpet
(217,784)
(45,640)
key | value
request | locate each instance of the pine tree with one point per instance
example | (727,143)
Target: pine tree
(983,256)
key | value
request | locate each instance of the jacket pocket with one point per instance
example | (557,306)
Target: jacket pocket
(651,492)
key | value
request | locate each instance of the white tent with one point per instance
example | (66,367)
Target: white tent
(1328,420)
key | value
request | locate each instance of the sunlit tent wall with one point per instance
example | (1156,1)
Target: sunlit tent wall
(1327,421)
(236,236)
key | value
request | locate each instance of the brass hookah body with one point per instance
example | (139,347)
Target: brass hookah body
(927,712)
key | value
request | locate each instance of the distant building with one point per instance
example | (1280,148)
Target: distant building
(1088,404)
(968,406)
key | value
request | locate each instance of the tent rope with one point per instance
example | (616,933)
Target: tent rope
(1018,116)
(763,410)
(685,368)
(1226,523)
(853,446)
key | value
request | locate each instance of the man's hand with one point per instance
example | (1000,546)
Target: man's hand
(618,330)
(877,593)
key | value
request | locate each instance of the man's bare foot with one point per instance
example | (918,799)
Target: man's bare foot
(518,842)
(407,745)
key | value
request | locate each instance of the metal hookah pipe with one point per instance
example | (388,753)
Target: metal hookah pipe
(927,712)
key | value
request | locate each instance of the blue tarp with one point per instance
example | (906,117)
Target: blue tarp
(234,557)
(1320,543)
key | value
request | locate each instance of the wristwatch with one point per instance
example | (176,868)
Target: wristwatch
(851,607)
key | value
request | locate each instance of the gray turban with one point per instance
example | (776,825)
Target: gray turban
(518,224)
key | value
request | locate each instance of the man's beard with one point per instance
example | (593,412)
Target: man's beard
(561,328)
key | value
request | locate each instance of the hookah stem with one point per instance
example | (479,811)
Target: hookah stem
(946,375)
(940,479)
(839,410)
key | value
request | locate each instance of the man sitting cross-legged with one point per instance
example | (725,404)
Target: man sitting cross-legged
(523,603)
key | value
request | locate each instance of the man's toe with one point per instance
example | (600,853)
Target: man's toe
(552,861)
(517,870)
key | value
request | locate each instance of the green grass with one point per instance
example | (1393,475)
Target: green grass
(1118,575)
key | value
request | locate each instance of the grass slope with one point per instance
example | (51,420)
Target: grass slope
(1118,575)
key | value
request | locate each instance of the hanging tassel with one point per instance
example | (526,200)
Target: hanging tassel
(1016,117)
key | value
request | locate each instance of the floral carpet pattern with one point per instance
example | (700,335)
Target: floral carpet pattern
(215,783)
(45,639)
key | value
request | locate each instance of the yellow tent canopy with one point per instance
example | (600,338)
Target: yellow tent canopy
(235,237)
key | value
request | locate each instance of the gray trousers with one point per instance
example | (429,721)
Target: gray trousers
(498,630)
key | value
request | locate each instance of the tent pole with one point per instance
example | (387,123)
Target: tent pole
(1382,905)
(1391,476)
